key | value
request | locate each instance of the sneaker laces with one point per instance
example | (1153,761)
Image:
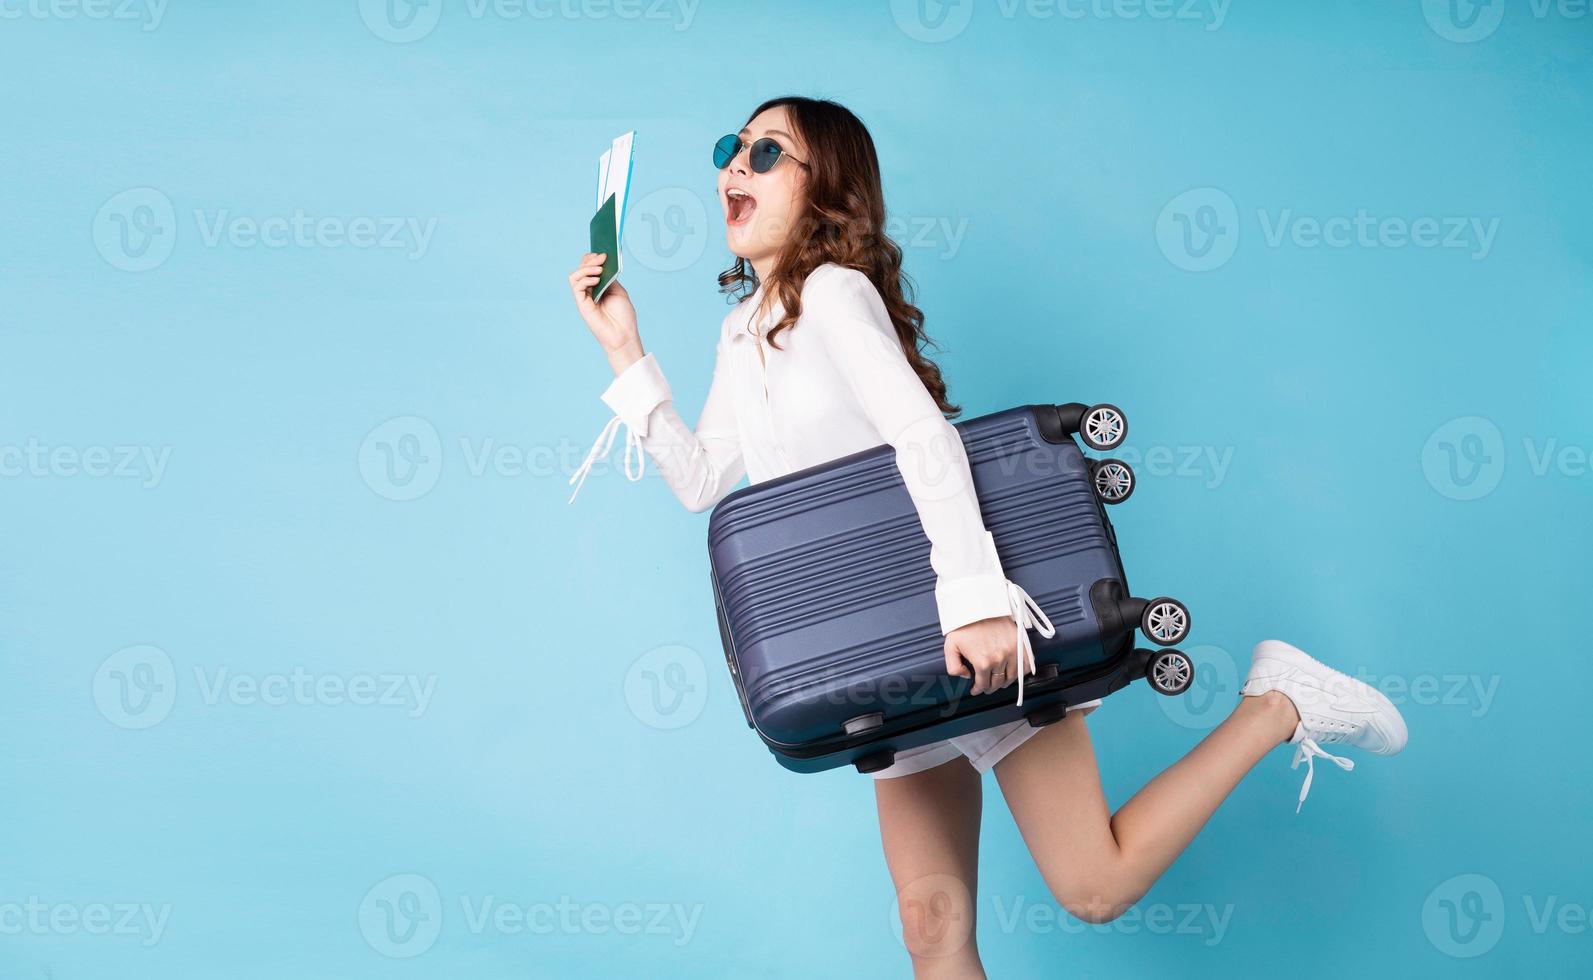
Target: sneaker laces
(1309,751)
(1027,614)
(600,448)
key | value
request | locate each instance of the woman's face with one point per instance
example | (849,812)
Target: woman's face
(761,209)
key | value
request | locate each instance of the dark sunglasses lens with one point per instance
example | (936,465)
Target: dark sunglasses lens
(725,150)
(764,155)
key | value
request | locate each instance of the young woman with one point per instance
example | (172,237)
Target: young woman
(823,359)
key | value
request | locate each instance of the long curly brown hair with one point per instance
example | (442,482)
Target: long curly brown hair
(842,221)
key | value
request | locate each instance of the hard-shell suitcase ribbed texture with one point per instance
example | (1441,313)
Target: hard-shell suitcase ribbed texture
(826,597)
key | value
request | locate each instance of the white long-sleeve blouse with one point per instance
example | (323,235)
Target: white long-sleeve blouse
(839,383)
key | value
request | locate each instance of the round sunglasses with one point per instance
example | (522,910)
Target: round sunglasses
(761,157)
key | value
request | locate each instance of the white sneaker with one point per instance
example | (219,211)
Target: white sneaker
(1334,707)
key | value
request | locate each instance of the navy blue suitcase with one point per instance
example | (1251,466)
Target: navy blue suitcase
(826,597)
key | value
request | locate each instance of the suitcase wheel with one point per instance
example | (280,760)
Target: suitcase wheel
(1114,481)
(1170,672)
(1165,621)
(1103,427)
(875,761)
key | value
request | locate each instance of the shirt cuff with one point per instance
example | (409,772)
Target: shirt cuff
(636,391)
(965,599)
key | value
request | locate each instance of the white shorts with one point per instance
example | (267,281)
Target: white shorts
(983,748)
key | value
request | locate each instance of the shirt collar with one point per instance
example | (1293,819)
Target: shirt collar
(745,326)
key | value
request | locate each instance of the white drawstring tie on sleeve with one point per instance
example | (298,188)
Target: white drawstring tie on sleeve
(600,448)
(1027,614)
(1307,752)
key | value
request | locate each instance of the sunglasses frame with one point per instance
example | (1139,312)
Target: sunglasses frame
(743,145)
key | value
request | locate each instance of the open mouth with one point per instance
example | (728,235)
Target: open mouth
(739,206)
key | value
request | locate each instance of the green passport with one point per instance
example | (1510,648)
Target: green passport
(605,239)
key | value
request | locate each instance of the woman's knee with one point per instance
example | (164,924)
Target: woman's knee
(937,912)
(1095,895)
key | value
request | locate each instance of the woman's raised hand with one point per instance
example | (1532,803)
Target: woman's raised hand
(613,320)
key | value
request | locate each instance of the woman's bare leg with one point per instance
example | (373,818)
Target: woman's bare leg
(1098,864)
(929,823)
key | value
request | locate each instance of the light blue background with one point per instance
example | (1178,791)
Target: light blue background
(1040,151)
